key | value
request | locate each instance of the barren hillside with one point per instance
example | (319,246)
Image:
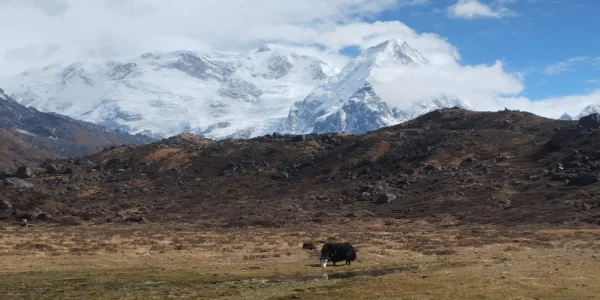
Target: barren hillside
(449,166)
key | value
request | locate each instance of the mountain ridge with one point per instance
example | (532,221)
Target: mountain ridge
(31,136)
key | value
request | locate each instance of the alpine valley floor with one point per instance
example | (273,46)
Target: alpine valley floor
(397,259)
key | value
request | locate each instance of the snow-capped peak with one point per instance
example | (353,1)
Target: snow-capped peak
(393,51)
(565,117)
(349,102)
(588,110)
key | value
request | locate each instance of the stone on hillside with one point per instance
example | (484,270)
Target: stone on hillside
(590,121)
(24,173)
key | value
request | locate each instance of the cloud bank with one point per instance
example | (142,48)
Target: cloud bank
(473,9)
(39,32)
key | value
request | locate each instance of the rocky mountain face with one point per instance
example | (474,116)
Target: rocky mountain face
(448,166)
(348,102)
(29,136)
(225,95)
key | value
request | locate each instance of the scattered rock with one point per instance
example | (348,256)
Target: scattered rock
(17,183)
(309,246)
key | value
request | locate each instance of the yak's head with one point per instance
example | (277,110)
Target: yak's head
(325,256)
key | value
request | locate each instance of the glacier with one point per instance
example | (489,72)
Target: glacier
(217,94)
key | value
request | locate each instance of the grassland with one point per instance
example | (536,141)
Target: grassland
(152,261)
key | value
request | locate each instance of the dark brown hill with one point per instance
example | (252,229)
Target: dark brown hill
(504,167)
(29,136)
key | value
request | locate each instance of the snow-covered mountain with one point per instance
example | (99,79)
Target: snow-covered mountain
(163,94)
(588,110)
(349,102)
(221,95)
(565,117)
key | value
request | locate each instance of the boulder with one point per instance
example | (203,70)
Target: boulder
(470,160)
(385,198)
(24,173)
(51,169)
(584,178)
(26,215)
(44,216)
(432,115)
(5,205)
(590,121)
(309,246)
(136,219)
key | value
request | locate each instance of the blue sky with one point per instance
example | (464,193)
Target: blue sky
(554,44)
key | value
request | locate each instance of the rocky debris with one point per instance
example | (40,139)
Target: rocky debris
(24,173)
(590,121)
(309,246)
(17,183)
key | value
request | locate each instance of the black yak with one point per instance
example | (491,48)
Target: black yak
(337,252)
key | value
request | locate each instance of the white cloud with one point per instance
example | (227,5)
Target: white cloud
(479,85)
(565,66)
(39,32)
(551,107)
(472,9)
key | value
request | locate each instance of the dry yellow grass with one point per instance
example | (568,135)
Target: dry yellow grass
(155,261)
